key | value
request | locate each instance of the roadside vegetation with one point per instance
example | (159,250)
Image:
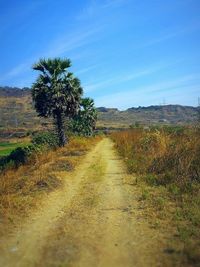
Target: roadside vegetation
(7,147)
(21,189)
(164,164)
(28,170)
(23,153)
(56,94)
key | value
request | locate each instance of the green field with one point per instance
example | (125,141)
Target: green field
(6,148)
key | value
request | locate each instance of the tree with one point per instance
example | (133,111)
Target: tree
(56,92)
(85,121)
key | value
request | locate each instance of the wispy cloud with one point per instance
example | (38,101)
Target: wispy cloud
(161,39)
(17,70)
(61,46)
(84,70)
(142,73)
(95,86)
(73,41)
(134,97)
(171,35)
(177,84)
(125,77)
(96,7)
(17,14)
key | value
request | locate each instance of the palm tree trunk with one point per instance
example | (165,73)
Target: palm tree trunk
(60,129)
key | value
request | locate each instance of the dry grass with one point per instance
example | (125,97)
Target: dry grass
(21,190)
(167,167)
(169,157)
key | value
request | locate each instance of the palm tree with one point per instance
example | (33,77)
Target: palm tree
(56,92)
(85,121)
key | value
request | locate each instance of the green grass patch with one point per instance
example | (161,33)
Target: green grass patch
(6,148)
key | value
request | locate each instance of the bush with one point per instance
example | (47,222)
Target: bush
(46,139)
(21,155)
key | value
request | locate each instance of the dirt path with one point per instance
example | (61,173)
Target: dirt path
(93,221)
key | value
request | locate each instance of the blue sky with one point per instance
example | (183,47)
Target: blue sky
(125,52)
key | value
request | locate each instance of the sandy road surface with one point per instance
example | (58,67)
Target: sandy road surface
(93,221)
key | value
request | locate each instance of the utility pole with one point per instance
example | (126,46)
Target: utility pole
(164,101)
(198,110)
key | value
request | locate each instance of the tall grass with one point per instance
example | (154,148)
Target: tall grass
(166,163)
(171,157)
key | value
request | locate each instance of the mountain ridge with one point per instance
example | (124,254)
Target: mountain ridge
(9,91)
(16,110)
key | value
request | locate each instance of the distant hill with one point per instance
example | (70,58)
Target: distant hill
(7,91)
(165,114)
(16,111)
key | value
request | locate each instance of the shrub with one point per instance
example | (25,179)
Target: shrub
(46,139)
(21,155)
